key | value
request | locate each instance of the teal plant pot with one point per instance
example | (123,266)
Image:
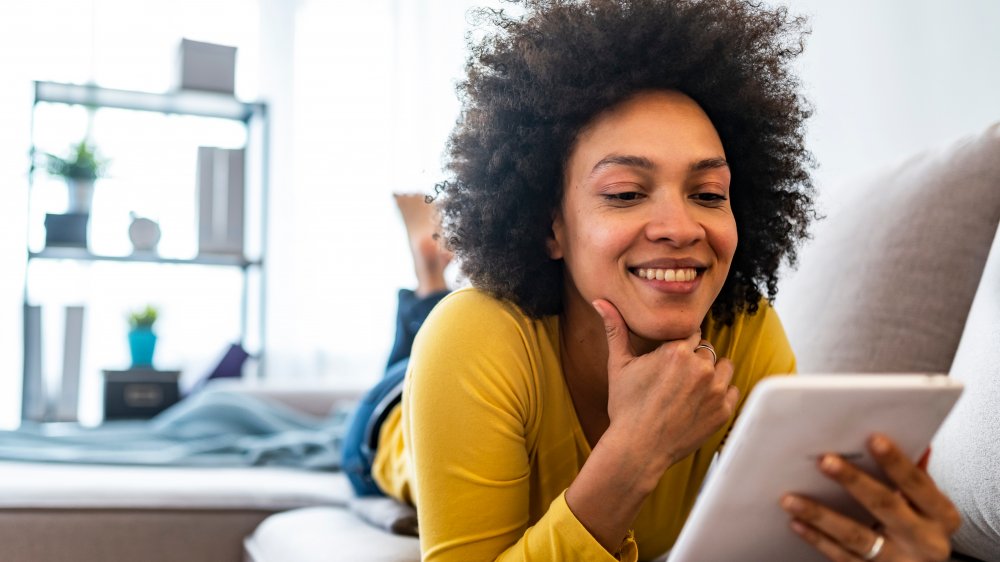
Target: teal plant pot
(142,343)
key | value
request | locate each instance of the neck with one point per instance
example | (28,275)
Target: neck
(584,354)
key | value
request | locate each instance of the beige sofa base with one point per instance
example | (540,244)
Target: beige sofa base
(104,535)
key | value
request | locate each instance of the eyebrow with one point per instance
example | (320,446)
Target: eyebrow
(709,164)
(623,160)
(646,164)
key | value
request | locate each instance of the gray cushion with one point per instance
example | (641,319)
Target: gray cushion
(888,281)
(966,450)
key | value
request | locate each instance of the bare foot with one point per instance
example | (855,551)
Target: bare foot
(429,255)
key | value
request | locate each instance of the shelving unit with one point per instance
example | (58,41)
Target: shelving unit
(254,119)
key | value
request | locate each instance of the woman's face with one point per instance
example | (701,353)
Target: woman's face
(645,220)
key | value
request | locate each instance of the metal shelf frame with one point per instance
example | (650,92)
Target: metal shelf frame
(185,102)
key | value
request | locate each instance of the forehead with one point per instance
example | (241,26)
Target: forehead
(666,127)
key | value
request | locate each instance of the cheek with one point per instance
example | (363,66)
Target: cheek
(590,253)
(595,242)
(724,240)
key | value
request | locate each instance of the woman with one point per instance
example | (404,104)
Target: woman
(628,177)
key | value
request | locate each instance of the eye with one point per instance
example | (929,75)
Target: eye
(623,197)
(710,198)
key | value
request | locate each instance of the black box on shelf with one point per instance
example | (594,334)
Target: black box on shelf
(139,393)
(69,230)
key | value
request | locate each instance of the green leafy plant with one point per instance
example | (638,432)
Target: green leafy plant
(80,163)
(143,318)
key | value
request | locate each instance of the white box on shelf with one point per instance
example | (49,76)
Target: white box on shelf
(220,200)
(206,66)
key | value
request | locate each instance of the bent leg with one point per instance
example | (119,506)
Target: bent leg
(429,261)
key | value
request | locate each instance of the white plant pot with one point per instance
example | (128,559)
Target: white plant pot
(81,195)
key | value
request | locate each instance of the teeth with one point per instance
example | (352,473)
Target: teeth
(682,275)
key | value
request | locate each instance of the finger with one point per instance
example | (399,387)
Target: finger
(914,483)
(722,379)
(824,544)
(694,340)
(724,372)
(619,348)
(732,398)
(885,504)
(843,531)
(925,459)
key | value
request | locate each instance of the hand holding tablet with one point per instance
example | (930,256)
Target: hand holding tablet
(916,505)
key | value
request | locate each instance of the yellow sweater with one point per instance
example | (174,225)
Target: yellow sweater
(487,441)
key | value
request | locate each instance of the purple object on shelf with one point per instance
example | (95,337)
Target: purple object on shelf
(229,367)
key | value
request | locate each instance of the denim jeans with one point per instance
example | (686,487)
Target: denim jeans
(361,439)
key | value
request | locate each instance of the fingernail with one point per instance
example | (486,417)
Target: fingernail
(880,444)
(791,503)
(831,464)
(798,527)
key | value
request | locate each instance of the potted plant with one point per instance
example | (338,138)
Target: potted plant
(80,168)
(141,339)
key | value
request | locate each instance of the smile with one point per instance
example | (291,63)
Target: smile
(671,275)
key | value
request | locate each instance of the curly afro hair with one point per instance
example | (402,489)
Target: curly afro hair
(539,79)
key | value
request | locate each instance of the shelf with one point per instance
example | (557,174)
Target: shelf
(82,254)
(185,102)
(38,396)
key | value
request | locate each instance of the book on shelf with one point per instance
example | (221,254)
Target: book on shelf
(220,185)
(69,391)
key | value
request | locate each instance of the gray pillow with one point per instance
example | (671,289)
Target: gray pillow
(888,281)
(966,451)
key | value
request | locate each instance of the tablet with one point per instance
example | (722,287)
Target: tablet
(786,424)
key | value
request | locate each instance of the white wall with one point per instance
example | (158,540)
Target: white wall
(890,77)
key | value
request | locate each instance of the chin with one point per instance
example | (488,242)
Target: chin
(660,333)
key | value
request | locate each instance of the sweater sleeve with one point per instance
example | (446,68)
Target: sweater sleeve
(467,406)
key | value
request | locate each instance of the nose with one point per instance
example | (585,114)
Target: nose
(675,221)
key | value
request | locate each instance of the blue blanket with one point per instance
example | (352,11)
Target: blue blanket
(214,428)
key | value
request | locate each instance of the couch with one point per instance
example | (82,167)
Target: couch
(903,276)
